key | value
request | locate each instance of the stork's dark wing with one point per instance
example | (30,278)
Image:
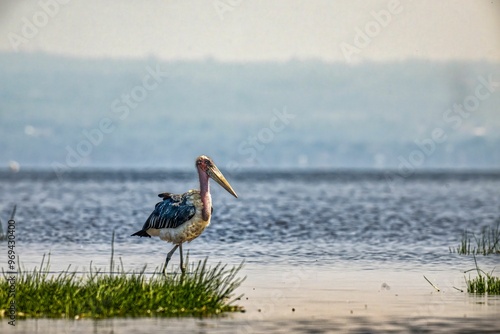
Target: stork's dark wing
(172,212)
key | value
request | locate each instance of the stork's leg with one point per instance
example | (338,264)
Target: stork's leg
(169,256)
(183,270)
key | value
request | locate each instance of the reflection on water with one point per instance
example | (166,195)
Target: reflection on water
(312,241)
(343,324)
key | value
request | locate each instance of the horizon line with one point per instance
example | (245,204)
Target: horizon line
(212,59)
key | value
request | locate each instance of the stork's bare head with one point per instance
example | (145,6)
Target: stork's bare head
(207,165)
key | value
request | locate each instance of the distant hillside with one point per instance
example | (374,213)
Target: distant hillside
(162,114)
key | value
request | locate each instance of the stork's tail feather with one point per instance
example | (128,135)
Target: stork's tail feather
(141,234)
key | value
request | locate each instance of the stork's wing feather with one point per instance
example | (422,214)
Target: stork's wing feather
(172,212)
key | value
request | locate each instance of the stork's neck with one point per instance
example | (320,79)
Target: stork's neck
(205,195)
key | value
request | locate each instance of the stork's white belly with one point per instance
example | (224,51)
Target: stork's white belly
(186,232)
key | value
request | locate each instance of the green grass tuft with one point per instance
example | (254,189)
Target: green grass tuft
(485,244)
(205,291)
(486,283)
(483,283)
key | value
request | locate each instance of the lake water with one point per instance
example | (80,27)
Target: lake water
(333,245)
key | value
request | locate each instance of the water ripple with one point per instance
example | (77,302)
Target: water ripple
(289,215)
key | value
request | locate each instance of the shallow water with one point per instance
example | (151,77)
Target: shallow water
(315,237)
(278,217)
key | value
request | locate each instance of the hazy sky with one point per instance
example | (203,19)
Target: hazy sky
(234,30)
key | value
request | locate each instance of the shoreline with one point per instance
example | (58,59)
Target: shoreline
(317,299)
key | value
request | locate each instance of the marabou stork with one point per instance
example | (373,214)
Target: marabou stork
(181,218)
